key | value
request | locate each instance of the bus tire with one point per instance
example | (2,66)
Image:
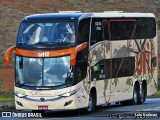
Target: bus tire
(91,103)
(144,86)
(142,94)
(134,100)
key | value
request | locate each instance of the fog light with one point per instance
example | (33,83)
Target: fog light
(19,103)
(68,103)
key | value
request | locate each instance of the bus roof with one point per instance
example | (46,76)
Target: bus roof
(80,16)
(121,14)
(55,16)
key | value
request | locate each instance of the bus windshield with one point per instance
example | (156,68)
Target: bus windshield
(42,71)
(46,33)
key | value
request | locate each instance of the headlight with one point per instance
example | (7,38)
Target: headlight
(70,93)
(19,94)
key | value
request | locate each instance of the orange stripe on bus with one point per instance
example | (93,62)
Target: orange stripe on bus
(37,53)
(53,53)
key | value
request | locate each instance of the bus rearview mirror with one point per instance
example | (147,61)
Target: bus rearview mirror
(7,55)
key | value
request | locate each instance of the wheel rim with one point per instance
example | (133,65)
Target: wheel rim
(90,104)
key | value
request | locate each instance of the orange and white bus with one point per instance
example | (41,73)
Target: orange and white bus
(81,60)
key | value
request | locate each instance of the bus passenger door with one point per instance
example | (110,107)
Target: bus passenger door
(107,81)
(99,71)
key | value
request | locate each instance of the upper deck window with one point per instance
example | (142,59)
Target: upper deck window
(83,31)
(122,29)
(141,28)
(33,34)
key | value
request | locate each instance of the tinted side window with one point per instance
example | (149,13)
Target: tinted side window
(105,30)
(146,28)
(127,68)
(83,31)
(121,29)
(81,65)
(96,32)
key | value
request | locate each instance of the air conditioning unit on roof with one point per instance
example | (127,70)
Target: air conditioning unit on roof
(69,12)
(113,11)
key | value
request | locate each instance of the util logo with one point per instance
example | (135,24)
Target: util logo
(144,57)
(43,54)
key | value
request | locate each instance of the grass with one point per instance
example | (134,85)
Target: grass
(11,99)
(6,96)
(157,94)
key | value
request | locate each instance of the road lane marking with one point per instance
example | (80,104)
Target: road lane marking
(150,109)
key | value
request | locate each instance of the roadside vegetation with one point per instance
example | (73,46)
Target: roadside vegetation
(6,96)
(157,94)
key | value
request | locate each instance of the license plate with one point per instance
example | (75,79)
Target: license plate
(42,107)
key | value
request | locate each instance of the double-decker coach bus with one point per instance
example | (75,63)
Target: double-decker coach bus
(81,60)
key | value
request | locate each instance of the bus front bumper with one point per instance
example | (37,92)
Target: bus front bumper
(60,104)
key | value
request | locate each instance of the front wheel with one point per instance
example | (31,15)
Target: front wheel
(91,103)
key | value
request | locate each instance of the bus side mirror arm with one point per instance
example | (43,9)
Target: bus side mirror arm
(7,55)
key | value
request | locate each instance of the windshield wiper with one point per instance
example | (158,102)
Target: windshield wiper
(22,84)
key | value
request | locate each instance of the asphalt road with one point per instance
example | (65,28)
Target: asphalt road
(106,112)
